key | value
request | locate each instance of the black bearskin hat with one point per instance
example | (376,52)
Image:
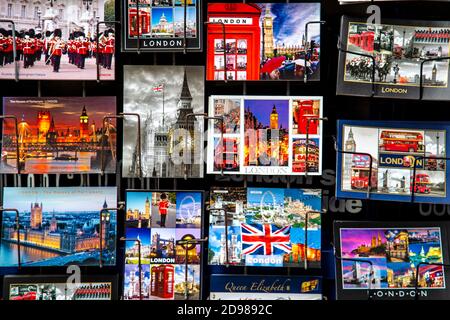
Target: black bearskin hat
(57,33)
(48,33)
(109,32)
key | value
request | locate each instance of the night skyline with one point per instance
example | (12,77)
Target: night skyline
(65,112)
(262,109)
(351,239)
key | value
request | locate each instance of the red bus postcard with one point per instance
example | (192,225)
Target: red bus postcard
(264,135)
(399,161)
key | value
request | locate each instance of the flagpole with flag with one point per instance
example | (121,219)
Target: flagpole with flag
(160,88)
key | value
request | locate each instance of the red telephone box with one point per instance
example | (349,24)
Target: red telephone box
(367,40)
(162,281)
(243,41)
(303,114)
(144,25)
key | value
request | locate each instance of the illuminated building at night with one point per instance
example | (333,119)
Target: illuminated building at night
(68,240)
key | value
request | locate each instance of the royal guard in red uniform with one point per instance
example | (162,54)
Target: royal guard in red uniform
(109,50)
(47,47)
(56,49)
(94,49)
(101,50)
(19,46)
(9,56)
(82,51)
(39,47)
(2,46)
(28,51)
(71,49)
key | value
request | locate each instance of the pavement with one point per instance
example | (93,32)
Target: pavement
(67,71)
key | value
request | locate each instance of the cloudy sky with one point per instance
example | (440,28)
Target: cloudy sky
(67,199)
(65,111)
(140,98)
(290,20)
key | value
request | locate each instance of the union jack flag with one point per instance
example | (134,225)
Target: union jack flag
(158,88)
(265,239)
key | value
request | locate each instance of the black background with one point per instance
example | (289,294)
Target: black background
(342,107)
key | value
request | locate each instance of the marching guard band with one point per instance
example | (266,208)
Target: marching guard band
(30,47)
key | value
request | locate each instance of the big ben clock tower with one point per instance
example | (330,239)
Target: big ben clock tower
(350,145)
(268,33)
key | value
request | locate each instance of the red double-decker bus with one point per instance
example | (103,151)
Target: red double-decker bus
(401,141)
(360,172)
(422,184)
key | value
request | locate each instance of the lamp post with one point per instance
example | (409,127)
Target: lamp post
(39,13)
(52,2)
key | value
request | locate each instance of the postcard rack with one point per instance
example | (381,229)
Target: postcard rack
(16,130)
(422,63)
(120,207)
(369,182)
(139,246)
(305,250)
(138,35)
(97,40)
(17,218)
(416,279)
(187,244)
(186,148)
(309,48)
(16,63)
(308,123)
(105,129)
(414,169)
(368,56)
(339,259)
(225,79)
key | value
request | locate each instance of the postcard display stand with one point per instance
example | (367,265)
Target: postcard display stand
(105,173)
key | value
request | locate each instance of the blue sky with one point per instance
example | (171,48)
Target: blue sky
(165,233)
(309,198)
(179,14)
(136,200)
(133,233)
(157,13)
(290,20)
(185,200)
(182,231)
(254,196)
(192,270)
(62,199)
(215,234)
(134,267)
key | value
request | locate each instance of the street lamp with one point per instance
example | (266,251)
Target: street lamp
(52,2)
(87,3)
(39,13)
